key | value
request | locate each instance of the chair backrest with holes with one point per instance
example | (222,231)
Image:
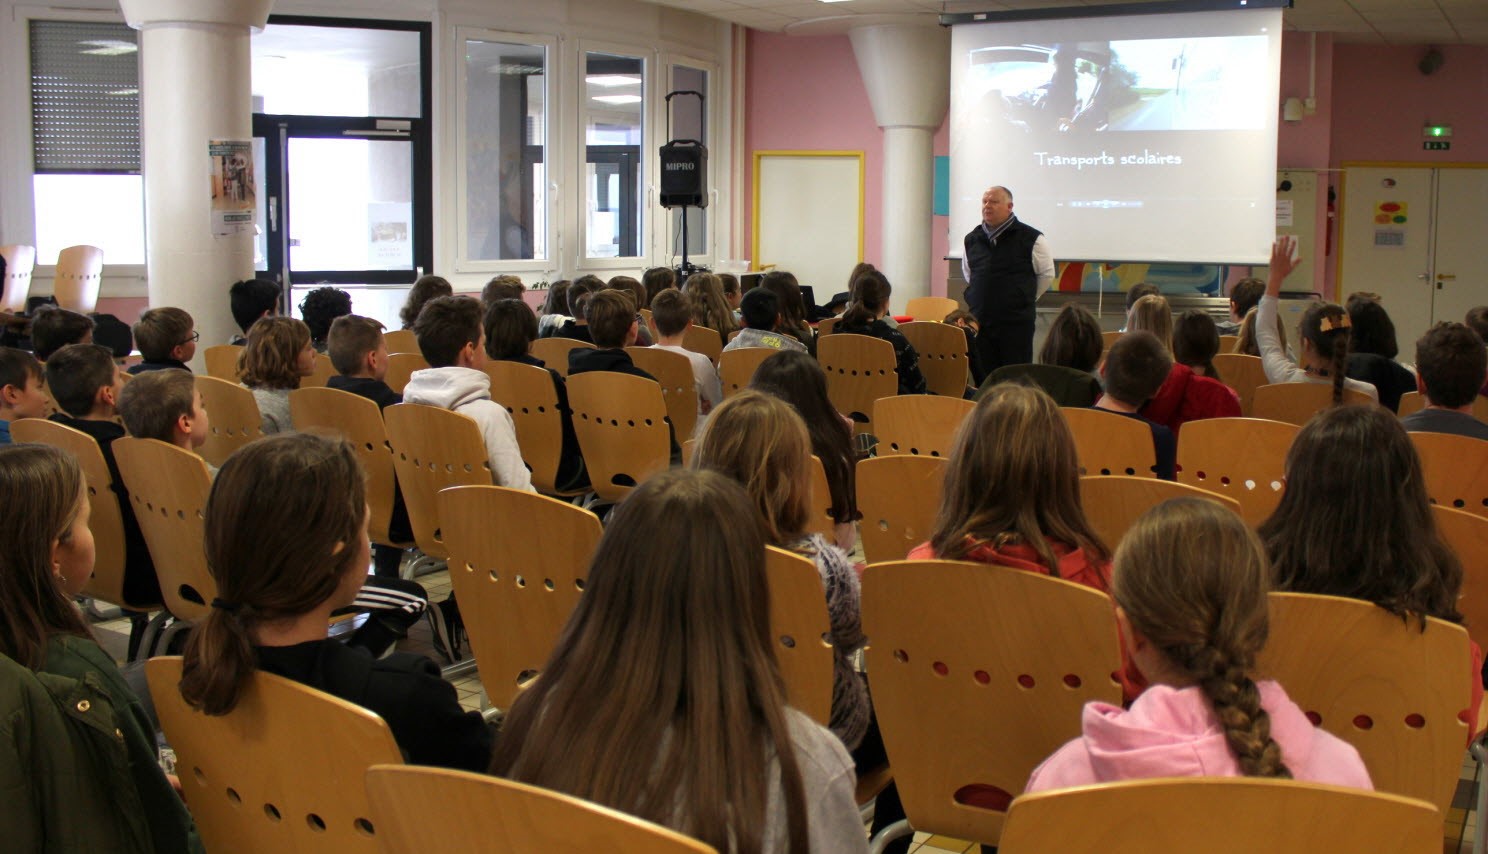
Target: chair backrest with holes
(736,367)
(79,273)
(1467,535)
(1112,504)
(1412,402)
(801,631)
(15,286)
(701,339)
(554,351)
(860,370)
(528,393)
(1296,403)
(1455,469)
(975,698)
(822,519)
(1378,682)
(825,326)
(918,424)
(898,496)
(517,563)
(1068,386)
(1243,373)
(1107,339)
(500,813)
(1218,815)
(1227,344)
(932,309)
(942,351)
(324,370)
(278,772)
(106,521)
(168,487)
(359,420)
(401,367)
(673,371)
(401,341)
(233,417)
(222,361)
(1107,443)
(433,449)
(1243,458)
(622,425)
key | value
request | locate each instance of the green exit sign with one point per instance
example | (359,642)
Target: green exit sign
(1436,145)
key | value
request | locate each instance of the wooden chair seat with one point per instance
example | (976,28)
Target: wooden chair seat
(860,370)
(222,361)
(918,424)
(898,496)
(554,351)
(736,367)
(401,367)
(802,632)
(932,309)
(1455,469)
(401,341)
(1242,373)
(1296,403)
(673,372)
(701,339)
(621,421)
(1113,504)
(433,449)
(943,358)
(529,395)
(1107,443)
(78,277)
(168,487)
(233,417)
(359,420)
(1243,458)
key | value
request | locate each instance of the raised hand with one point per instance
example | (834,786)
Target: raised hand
(1283,262)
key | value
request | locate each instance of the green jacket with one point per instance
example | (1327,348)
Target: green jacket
(78,770)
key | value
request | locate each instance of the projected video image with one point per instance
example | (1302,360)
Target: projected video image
(1138,85)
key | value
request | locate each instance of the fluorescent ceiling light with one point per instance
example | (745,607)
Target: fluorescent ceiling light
(108,47)
(617,99)
(834,1)
(611,80)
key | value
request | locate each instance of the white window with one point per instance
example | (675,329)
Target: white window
(613,110)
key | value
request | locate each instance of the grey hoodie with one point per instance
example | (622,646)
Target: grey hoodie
(468,392)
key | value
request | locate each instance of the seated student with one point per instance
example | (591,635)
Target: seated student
(1196,343)
(166,338)
(552,315)
(732,292)
(252,299)
(1354,521)
(277,356)
(612,321)
(453,343)
(793,319)
(501,287)
(1243,297)
(1067,361)
(1451,366)
(761,311)
(1190,587)
(165,406)
(319,309)
(866,315)
(1372,350)
(1185,395)
(53,328)
(1134,293)
(682,632)
(672,316)
(656,280)
(709,308)
(510,330)
(580,291)
(21,394)
(282,568)
(967,323)
(1247,345)
(423,290)
(86,382)
(1323,330)
(1136,369)
(93,783)
(632,288)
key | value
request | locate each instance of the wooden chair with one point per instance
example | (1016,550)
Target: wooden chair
(278,772)
(324,370)
(1296,403)
(168,487)
(401,341)
(932,309)
(499,814)
(1378,682)
(622,425)
(943,359)
(1243,458)
(1412,402)
(79,273)
(401,367)
(1454,469)
(1107,443)
(701,339)
(359,420)
(898,496)
(554,351)
(1113,504)
(1218,815)
(860,370)
(825,326)
(1227,344)
(517,563)
(673,371)
(736,367)
(19,260)
(918,424)
(979,673)
(433,449)
(222,361)
(822,519)
(529,395)
(1467,535)
(802,632)
(1242,373)
(233,416)
(1109,338)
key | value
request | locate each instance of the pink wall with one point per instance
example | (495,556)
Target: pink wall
(1381,102)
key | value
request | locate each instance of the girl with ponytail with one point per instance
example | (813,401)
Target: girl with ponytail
(1323,330)
(1190,588)
(286,542)
(865,316)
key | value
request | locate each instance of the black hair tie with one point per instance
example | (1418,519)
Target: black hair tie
(224,605)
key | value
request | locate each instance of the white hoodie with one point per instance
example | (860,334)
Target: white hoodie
(468,392)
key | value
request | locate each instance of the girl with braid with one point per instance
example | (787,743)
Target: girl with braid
(1190,587)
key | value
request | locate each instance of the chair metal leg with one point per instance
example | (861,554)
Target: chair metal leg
(897,830)
(1479,752)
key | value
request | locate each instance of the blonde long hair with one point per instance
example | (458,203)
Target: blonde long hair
(1153,314)
(760,441)
(271,356)
(705,293)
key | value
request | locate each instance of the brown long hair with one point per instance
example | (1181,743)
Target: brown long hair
(870,294)
(663,698)
(1013,478)
(759,440)
(269,360)
(282,529)
(1246,342)
(792,303)
(1325,326)
(1191,578)
(1196,342)
(705,292)
(425,289)
(41,489)
(798,379)
(1355,520)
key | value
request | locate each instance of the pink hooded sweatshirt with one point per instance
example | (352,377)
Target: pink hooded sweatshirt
(1173,732)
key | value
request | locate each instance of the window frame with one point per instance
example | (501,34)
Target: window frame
(583,262)
(662,245)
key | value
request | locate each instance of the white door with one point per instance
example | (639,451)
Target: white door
(1461,266)
(1387,236)
(809,216)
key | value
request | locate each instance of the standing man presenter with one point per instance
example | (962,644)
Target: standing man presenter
(1007,267)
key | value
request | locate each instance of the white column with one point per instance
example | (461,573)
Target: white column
(194,87)
(907,71)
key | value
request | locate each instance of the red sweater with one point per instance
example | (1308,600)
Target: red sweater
(1186,396)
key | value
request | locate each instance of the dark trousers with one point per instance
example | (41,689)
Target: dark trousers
(1005,343)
